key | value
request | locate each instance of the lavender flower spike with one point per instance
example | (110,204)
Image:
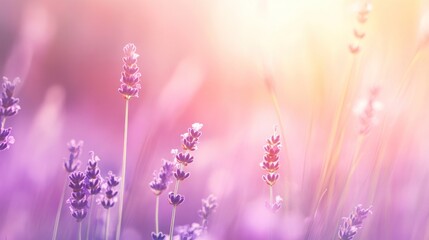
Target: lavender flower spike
(93,178)
(75,149)
(209,206)
(130,83)
(8,107)
(163,179)
(110,194)
(350,225)
(78,200)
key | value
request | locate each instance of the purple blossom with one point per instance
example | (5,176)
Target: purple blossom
(181,175)
(163,179)
(109,198)
(8,107)
(93,178)
(75,149)
(175,199)
(130,78)
(190,139)
(158,236)
(276,205)
(189,232)
(184,158)
(78,200)
(5,139)
(367,109)
(350,225)
(209,206)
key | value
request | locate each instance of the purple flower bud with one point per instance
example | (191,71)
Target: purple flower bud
(181,175)
(163,179)
(158,236)
(175,200)
(93,178)
(109,198)
(8,108)
(184,158)
(270,178)
(75,148)
(78,200)
(5,139)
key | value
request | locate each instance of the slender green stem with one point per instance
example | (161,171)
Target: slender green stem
(124,166)
(79,234)
(156,214)
(59,210)
(89,218)
(106,230)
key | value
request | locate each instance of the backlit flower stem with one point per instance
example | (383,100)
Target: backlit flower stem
(106,230)
(80,231)
(124,165)
(89,218)
(59,210)
(156,214)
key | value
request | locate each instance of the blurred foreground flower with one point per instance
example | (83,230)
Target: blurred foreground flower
(366,110)
(8,107)
(350,225)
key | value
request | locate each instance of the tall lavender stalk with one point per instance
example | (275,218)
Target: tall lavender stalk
(8,107)
(71,165)
(158,185)
(130,86)
(93,184)
(271,164)
(189,144)
(353,223)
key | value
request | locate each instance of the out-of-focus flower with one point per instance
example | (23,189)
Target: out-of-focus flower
(366,110)
(350,225)
(78,200)
(8,107)
(130,78)
(163,178)
(362,10)
(276,205)
(209,206)
(75,149)
(109,198)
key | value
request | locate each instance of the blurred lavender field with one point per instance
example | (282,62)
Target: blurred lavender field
(240,68)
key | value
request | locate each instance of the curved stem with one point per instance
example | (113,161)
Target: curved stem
(106,230)
(156,215)
(124,166)
(89,218)
(59,210)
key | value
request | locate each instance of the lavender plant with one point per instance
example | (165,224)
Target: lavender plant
(92,183)
(271,164)
(353,223)
(79,198)
(196,230)
(130,86)
(109,197)
(8,107)
(189,144)
(71,165)
(158,185)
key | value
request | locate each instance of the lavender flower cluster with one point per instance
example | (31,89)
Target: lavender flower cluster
(163,178)
(8,107)
(88,183)
(350,225)
(130,83)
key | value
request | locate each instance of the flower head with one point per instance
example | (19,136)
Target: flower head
(209,206)
(93,177)
(8,107)
(130,78)
(163,178)
(270,161)
(109,198)
(5,139)
(158,236)
(175,199)
(350,225)
(78,200)
(75,149)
